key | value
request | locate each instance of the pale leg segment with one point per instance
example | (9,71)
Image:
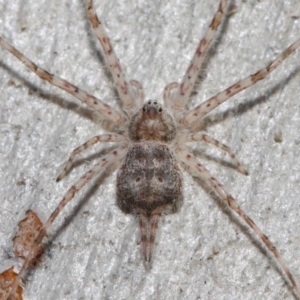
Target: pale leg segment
(197,113)
(122,85)
(193,69)
(104,138)
(94,103)
(140,92)
(198,137)
(200,171)
(167,96)
(106,161)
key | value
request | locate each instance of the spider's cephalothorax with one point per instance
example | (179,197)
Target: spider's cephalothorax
(149,182)
(152,122)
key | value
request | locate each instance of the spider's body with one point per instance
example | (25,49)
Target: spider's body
(149,182)
(152,147)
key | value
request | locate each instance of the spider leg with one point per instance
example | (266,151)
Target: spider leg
(122,85)
(94,103)
(197,137)
(104,138)
(167,96)
(106,161)
(200,171)
(190,119)
(140,92)
(192,71)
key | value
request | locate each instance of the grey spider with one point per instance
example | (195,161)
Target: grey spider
(152,144)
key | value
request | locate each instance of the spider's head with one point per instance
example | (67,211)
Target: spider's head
(152,122)
(152,110)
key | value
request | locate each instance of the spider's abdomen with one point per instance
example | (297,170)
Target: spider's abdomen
(149,180)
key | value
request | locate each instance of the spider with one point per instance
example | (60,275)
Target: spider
(148,129)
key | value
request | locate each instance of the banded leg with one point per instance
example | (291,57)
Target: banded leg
(197,113)
(122,85)
(200,171)
(193,69)
(198,137)
(94,103)
(109,137)
(106,161)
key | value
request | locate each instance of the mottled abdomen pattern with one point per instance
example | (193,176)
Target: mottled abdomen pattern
(149,181)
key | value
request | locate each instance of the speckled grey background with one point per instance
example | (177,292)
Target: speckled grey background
(202,252)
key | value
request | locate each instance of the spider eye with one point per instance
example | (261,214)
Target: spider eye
(144,108)
(155,103)
(149,102)
(160,109)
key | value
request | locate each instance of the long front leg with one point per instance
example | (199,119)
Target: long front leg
(94,103)
(200,171)
(122,85)
(190,76)
(197,113)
